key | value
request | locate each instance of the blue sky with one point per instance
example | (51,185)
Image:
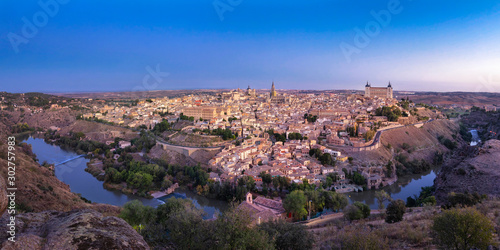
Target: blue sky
(112,46)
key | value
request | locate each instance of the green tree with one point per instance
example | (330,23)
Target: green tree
(463,229)
(382,196)
(352,212)
(135,213)
(233,230)
(395,211)
(365,209)
(266,178)
(335,201)
(295,203)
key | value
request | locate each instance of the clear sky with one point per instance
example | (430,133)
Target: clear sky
(113,45)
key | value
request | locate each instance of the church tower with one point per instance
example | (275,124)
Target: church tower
(273,91)
(249,198)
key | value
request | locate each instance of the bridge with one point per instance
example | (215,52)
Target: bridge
(74,158)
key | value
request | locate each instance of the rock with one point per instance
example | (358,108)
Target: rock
(3,196)
(77,229)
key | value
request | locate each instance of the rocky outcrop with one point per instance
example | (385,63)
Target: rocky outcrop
(77,229)
(471,169)
(3,196)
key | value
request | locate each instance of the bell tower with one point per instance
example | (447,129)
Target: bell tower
(249,198)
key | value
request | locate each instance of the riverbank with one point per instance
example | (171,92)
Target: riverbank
(73,174)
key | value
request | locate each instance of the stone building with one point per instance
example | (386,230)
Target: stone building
(262,209)
(380,92)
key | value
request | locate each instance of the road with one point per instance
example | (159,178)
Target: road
(379,132)
(326,219)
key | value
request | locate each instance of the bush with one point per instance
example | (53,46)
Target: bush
(395,211)
(464,200)
(365,209)
(359,238)
(288,235)
(463,229)
(352,212)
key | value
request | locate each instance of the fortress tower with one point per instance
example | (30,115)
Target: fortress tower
(380,92)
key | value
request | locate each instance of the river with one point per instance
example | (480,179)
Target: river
(405,186)
(475,138)
(73,173)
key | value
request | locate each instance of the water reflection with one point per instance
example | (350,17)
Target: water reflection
(475,138)
(401,189)
(73,173)
(211,207)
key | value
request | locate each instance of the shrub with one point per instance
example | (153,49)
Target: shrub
(464,199)
(463,229)
(288,235)
(365,209)
(359,238)
(395,211)
(352,212)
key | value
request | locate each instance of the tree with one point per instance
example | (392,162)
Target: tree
(358,179)
(352,212)
(382,196)
(369,135)
(266,178)
(395,211)
(233,230)
(326,159)
(365,209)
(335,201)
(463,229)
(295,203)
(288,235)
(135,213)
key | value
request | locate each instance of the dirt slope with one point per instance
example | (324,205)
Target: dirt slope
(471,170)
(423,142)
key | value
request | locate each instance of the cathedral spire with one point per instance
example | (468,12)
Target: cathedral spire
(273,91)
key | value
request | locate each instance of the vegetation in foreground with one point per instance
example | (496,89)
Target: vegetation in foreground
(178,224)
(469,224)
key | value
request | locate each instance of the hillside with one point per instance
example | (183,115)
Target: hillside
(471,169)
(414,232)
(460,98)
(201,156)
(38,189)
(412,142)
(98,131)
